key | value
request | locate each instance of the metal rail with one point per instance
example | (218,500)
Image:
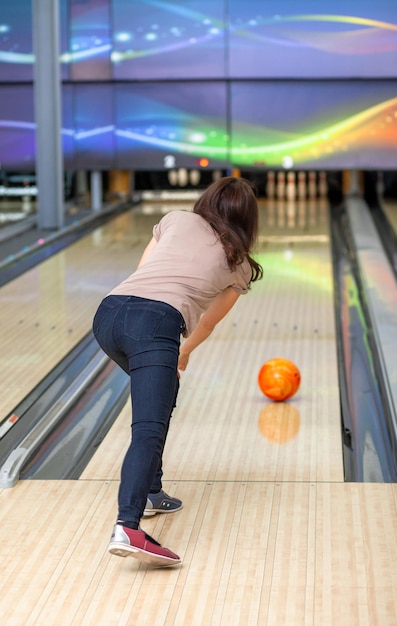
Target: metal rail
(11,469)
(369,442)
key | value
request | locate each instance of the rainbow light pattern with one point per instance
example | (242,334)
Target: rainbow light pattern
(332,126)
(352,140)
(154,39)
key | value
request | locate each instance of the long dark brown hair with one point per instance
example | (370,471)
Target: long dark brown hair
(230,206)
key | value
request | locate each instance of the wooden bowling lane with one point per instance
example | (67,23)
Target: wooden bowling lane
(254,553)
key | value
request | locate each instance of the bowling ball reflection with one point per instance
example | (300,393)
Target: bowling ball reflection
(279,422)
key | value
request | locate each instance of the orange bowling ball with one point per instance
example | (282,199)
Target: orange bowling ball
(279,379)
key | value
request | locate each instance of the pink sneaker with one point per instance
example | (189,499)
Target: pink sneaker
(136,543)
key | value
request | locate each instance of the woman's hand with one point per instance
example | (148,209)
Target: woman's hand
(183,361)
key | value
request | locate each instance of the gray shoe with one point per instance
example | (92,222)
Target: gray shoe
(161,503)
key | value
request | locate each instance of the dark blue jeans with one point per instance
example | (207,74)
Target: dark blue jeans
(143,337)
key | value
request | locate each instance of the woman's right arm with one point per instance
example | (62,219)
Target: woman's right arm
(148,250)
(217,310)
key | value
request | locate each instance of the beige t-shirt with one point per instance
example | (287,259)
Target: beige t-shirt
(186,269)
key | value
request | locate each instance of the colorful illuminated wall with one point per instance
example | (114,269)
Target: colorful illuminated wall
(316,124)
(147,83)
(312,39)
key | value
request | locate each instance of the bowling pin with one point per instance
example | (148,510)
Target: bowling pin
(194,176)
(183,177)
(291,188)
(270,185)
(312,185)
(172,177)
(281,185)
(302,185)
